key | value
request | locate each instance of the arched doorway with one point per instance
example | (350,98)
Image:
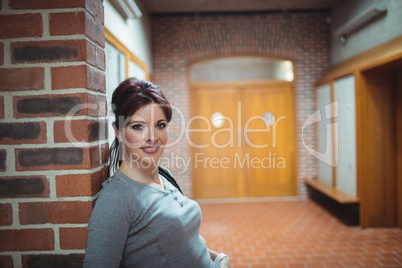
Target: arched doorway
(243,136)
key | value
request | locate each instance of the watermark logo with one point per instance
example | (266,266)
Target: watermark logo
(331,110)
(236,134)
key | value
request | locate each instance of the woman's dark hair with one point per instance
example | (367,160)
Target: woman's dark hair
(130,96)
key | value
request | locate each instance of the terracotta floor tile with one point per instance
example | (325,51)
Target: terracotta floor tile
(295,234)
(259,266)
(296,265)
(239,265)
(315,265)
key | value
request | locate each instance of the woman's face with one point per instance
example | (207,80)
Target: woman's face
(144,137)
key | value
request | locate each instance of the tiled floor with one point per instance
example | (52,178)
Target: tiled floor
(296,234)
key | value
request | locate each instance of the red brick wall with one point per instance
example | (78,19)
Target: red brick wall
(179,41)
(51,63)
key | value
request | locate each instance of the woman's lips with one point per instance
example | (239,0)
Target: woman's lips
(150,149)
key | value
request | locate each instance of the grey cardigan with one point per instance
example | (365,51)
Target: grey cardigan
(136,225)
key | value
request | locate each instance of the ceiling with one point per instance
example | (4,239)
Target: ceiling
(216,6)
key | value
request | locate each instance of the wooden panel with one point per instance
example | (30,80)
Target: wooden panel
(376,149)
(377,56)
(272,148)
(214,150)
(378,131)
(399,144)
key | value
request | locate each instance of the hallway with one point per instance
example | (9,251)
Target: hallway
(296,234)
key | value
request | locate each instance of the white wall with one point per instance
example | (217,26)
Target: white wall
(375,33)
(135,34)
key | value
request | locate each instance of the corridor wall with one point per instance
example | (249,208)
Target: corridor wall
(179,41)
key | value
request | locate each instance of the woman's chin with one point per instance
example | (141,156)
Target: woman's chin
(150,161)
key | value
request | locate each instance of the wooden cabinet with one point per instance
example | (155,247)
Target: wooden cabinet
(365,132)
(336,140)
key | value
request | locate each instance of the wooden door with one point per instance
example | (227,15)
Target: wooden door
(213,147)
(269,136)
(248,155)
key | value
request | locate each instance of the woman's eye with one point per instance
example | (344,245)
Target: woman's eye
(137,127)
(161,125)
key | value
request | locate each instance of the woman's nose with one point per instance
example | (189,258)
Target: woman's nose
(152,137)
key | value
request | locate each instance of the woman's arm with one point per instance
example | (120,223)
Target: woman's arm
(107,232)
(223,263)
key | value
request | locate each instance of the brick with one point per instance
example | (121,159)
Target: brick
(62,77)
(51,261)
(1,53)
(55,212)
(22,79)
(84,77)
(21,25)
(70,23)
(99,35)
(80,184)
(48,51)
(101,83)
(23,133)
(57,158)
(45,4)
(90,6)
(6,261)
(74,185)
(79,130)
(24,187)
(67,23)
(100,58)
(91,54)
(51,105)
(3,160)
(98,130)
(95,31)
(73,238)
(99,12)
(58,105)
(104,153)
(102,105)
(98,178)
(50,156)
(6,213)
(27,240)
(94,156)
(2,112)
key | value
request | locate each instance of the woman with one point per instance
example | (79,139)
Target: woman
(140,218)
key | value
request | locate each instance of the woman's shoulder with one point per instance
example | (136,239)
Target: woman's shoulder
(117,186)
(118,196)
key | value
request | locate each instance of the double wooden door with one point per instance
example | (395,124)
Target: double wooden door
(243,140)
